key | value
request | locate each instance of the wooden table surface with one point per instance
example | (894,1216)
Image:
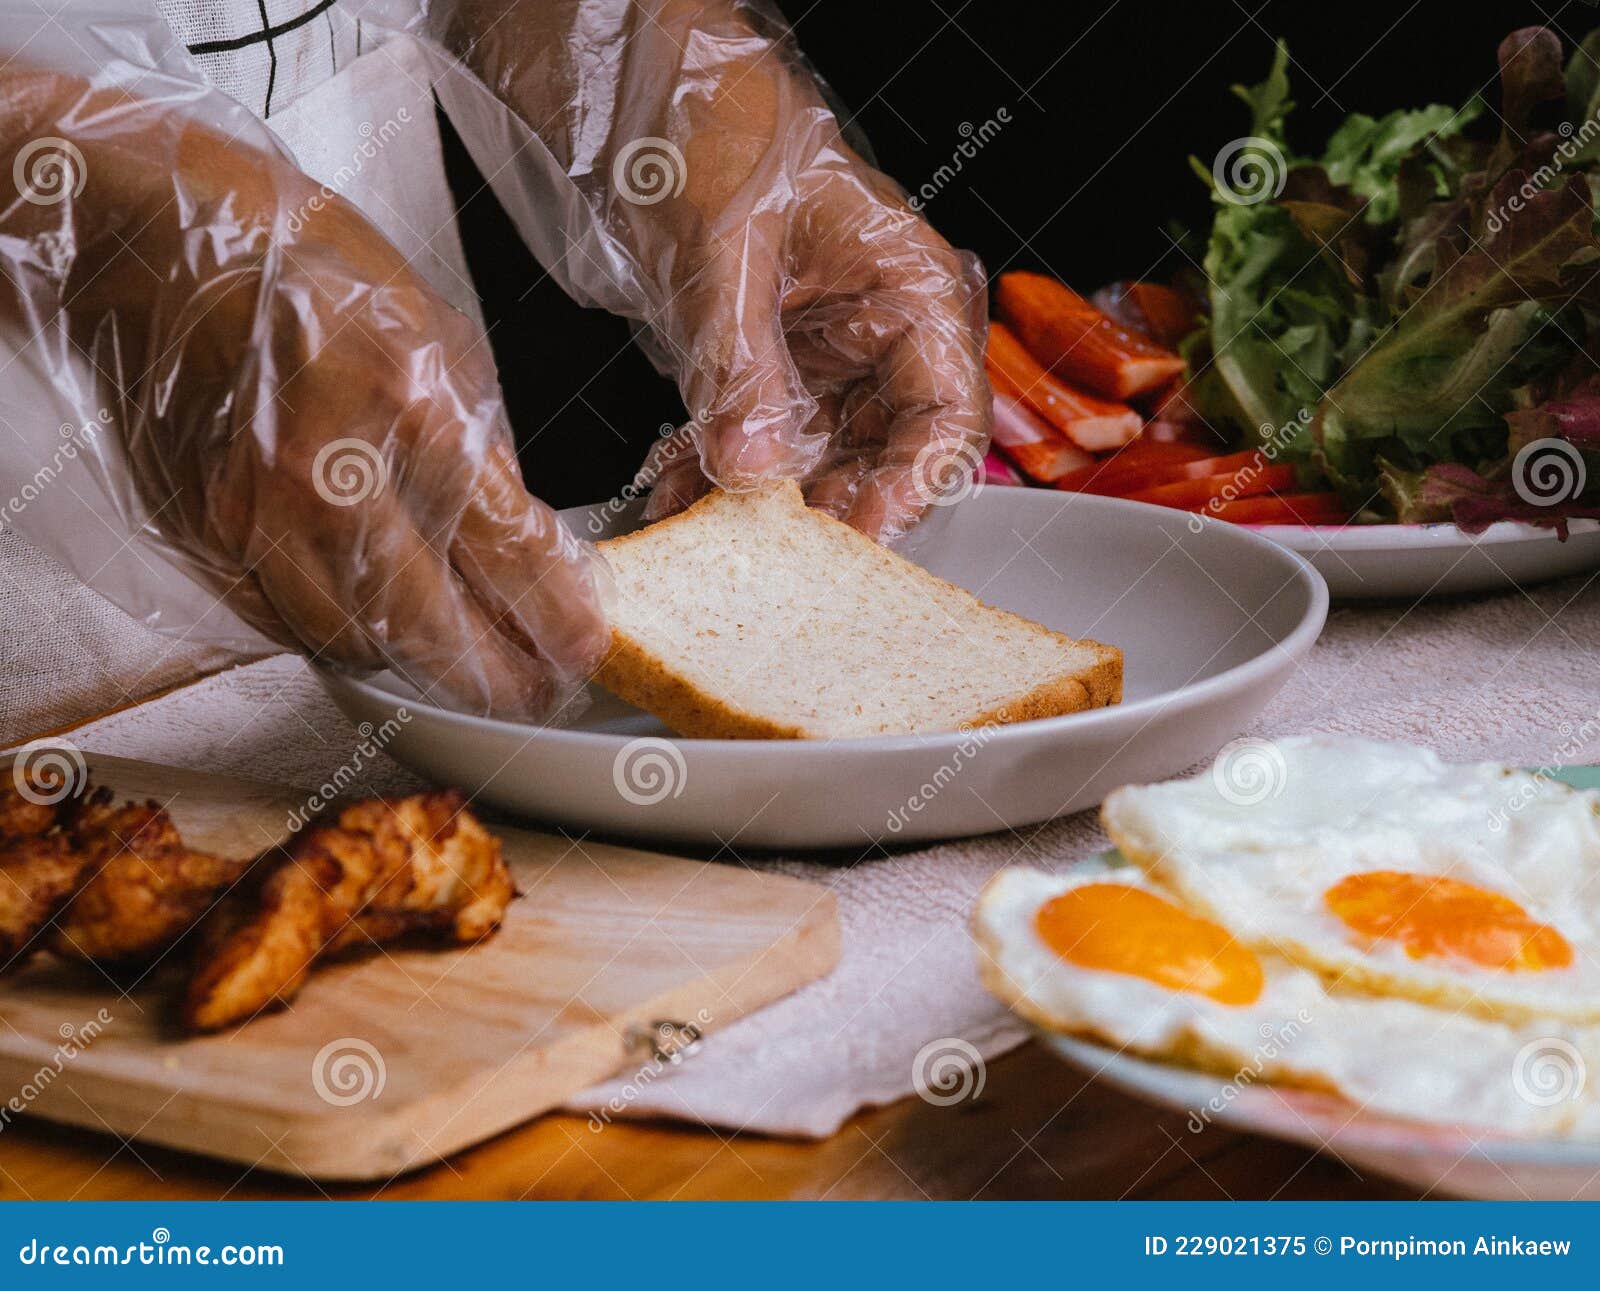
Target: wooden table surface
(1039,1130)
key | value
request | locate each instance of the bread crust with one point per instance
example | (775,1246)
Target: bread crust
(636,674)
(633,673)
(1098,687)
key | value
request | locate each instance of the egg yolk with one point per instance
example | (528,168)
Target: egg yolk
(1436,916)
(1120,929)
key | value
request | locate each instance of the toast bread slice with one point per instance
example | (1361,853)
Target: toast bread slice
(753,616)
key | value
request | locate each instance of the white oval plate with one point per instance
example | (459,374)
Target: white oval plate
(1210,623)
(1452,1160)
(1412,561)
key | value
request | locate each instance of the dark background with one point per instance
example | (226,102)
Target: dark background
(1107,102)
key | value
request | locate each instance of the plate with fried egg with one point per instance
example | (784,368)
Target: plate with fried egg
(1351,944)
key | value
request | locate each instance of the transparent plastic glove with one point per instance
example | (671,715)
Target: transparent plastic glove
(291,412)
(687,172)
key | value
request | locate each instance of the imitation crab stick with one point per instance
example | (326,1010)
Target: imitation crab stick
(1040,451)
(1092,424)
(1120,477)
(1135,467)
(1075,341)
(1192,495)
(1164,314)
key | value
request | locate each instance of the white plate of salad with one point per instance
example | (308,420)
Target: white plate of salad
(1406,562)
(1385,353)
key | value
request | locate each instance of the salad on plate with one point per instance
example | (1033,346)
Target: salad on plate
(1399,326)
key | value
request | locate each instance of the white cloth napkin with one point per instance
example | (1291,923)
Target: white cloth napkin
(1509,677)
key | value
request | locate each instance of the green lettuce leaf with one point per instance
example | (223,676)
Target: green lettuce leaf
(1487,322)
(1582,83)
(1269,101)
(1410,285)
(1366,154)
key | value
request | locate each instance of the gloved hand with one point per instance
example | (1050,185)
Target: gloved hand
(817,326)
(314,431)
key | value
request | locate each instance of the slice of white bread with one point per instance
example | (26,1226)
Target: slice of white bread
(752,616)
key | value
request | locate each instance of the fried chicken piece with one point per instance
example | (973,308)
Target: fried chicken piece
(39,869)
(21,815)
(374,870)
(456,885)
(145,889)
(37,876)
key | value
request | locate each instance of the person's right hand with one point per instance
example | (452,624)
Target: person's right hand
(839,340)
(818,326)
(312,429)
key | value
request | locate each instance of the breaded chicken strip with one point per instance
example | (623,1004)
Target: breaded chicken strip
(365,873)
(37,875)
(39,869)
(146,888)
(23,816)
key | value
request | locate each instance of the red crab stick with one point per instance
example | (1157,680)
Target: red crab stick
(1040,451)
(1075,341)
(1091,423)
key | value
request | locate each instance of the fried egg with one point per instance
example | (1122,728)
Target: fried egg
(1106,952)
(1386,870)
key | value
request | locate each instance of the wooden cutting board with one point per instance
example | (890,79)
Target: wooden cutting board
(612,960)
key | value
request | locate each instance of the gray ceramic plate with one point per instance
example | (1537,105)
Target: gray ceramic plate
(1412,561)
(1211,620)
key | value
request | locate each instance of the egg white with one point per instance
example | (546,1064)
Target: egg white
(1395,1056)
(1256,842)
